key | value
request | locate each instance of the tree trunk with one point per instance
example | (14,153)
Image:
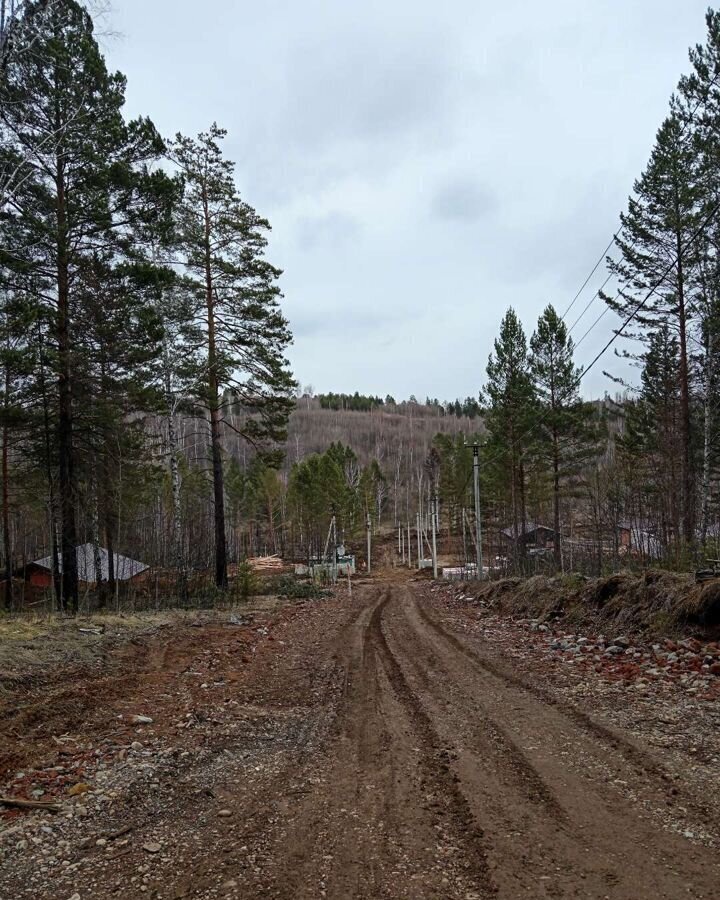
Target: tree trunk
(65,420)
(686,456)
(707,439)
(6,499)
(112,574)
(221,576)
(557,545)
(523,517)
(516,516)
(97,556)
(178,544)
(55,550)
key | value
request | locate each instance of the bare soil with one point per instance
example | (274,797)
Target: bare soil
(379,746)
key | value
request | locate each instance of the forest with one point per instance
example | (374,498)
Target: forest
(147,407)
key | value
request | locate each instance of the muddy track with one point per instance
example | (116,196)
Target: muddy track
(468,831)
(646,766)
(413,763)
(597,729)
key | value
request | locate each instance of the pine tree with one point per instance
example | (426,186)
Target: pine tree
(222,242)
(512,408)
(84,178)
(657,231)
(117,344)
(16,368)
(700,105)
(565,437)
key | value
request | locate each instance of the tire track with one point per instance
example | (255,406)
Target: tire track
(469,832)
(502,748)
(630,751)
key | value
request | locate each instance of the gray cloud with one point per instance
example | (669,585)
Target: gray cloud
(331,230)
(463,200)
(423,165)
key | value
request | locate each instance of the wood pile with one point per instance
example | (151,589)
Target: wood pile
(264,565)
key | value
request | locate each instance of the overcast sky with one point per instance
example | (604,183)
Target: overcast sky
(424,165)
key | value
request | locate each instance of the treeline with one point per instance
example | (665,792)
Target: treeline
(133,287)
(334,483)
(353,402)
(468,408)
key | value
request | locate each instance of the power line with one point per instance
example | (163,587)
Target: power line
(688,119)
(634,313)
(696,234)
(641,304)
(594,270)
(590,303)
(602,314)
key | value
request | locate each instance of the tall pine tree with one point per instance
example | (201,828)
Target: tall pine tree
(565,439)
(222,244)
(657,253)
(510,416)
(85,177)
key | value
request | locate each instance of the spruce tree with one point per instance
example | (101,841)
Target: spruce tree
(222,243)
(652,440)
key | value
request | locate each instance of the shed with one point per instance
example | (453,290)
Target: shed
(535,535)
(39,572)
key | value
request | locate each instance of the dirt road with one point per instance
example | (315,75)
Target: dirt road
(370,750)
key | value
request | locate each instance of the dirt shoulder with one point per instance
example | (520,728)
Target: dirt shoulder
(663,691)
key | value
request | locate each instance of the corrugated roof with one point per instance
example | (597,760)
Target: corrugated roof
(529,528)
(125,568)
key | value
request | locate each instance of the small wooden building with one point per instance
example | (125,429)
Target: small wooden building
(534,536)
(39,572)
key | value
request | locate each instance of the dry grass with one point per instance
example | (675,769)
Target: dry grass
(655,602)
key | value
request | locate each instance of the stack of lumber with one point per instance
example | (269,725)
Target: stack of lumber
(266,563)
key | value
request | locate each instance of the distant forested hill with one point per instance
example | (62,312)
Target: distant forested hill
(393,433)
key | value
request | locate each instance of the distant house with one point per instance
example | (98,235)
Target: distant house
(39,573)
(535,536)
(637,538)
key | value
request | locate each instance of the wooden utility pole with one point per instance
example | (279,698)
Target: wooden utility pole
(478,522)
(369,541)
(419,541)
(433,507)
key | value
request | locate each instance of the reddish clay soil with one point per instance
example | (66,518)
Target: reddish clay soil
(365,747)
